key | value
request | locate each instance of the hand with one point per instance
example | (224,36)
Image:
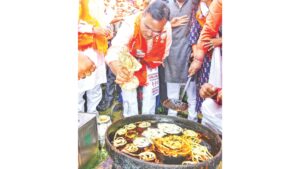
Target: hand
(85,66)
(102,31)
(123,76)
(207,91)
(116,19)
(179,21)
(211,44)
(196,64)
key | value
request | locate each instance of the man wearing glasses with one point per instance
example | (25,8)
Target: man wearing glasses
(147,35)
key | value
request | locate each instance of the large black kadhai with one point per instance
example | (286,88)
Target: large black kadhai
(122,160)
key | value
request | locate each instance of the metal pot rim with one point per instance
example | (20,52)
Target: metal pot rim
(107,141)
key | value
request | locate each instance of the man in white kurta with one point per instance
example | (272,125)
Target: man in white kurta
(91,85)
(125,33)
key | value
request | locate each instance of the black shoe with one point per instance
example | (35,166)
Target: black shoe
(104,105)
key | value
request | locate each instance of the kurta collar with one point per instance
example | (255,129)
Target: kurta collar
(175,1)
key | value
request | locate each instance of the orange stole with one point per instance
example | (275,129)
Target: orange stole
(138,42)
(87,40)
(201,19)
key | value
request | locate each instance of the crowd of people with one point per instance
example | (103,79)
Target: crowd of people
(171,41)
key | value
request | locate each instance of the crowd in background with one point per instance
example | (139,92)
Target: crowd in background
(172,41)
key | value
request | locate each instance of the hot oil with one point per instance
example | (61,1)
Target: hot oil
(161,159)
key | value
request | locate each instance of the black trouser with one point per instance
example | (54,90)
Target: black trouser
(110,85)
(162,84)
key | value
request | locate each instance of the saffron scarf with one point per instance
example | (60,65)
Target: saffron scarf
(153,58)
(87,40)
(201,13)
(201,19)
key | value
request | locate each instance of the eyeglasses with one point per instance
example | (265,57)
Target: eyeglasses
(154,33)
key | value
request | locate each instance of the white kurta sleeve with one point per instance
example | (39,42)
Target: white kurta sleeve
(121,39)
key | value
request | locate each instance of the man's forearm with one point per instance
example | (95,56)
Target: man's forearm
(194,48)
